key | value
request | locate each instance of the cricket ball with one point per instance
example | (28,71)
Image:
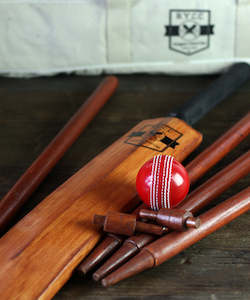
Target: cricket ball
(162,182)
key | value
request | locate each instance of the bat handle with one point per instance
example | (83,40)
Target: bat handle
(194,109)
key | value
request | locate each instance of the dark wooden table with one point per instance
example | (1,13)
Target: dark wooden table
(33,110)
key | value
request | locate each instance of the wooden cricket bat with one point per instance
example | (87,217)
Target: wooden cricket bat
(38,255)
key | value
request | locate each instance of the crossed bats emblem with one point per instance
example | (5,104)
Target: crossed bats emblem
(189,29)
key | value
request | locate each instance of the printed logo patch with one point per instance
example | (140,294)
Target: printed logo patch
(189,30)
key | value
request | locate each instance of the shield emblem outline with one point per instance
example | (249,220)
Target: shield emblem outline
(201,38)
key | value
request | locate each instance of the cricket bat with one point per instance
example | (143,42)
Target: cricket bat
(39,254)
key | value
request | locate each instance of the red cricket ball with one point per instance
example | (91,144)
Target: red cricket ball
(162,182)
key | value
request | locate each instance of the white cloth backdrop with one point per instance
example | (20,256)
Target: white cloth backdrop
(39,37)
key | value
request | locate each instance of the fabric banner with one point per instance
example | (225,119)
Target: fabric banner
(46,37)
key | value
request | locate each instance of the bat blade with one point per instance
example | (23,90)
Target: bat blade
(62,233)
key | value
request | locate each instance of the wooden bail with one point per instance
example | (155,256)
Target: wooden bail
(126,224)
(176,219)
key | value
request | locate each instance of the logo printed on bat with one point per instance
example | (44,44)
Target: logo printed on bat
(189,30)
(157,137)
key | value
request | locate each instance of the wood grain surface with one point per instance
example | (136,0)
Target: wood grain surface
(32,112)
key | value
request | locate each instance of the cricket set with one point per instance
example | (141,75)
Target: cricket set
(57,237)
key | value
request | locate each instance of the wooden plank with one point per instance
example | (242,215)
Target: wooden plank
(31,113)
